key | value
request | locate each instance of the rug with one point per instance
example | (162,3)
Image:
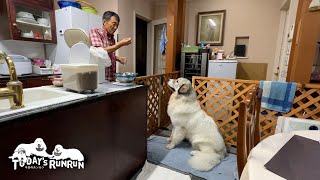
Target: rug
(177,159)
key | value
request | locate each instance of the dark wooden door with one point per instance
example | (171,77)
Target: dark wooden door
(141,46)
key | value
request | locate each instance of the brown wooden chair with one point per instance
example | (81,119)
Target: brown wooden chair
(248,134)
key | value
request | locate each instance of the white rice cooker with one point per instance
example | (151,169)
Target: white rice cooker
(22,64)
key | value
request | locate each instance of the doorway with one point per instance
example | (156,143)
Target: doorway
(141,46)
(159,66)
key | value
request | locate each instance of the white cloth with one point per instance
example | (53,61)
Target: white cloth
(101,55)
(289,124)
(154,172)
(265,150)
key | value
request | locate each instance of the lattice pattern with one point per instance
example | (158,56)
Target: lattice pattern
(153,84)
(166,93)
(306,105)
(221,98)
(158,97)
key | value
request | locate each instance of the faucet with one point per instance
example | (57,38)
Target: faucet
(14,90)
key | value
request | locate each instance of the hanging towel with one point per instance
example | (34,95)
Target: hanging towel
(277,96)
(163,40)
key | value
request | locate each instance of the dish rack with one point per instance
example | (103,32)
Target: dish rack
(40,70)
(194,64)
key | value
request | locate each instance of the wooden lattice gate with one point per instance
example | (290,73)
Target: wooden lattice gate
(158,97)
(221,98)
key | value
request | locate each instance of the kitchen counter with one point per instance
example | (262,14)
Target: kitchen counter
(108,127)
(32,75)
(102,90)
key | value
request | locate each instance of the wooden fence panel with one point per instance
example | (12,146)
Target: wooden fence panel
(158,97)
(221,98)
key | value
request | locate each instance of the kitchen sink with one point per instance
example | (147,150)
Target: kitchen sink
(39,97)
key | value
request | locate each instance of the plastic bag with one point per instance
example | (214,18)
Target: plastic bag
(101,54)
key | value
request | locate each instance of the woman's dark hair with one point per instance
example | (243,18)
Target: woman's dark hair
(108,14)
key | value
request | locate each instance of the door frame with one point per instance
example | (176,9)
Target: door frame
(150,53)
(135,14)
(281,40)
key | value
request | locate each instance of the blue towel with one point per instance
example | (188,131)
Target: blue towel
(177,159)
(278,96)
(163,40)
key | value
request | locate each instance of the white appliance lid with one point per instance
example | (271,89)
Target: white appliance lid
(18,58)
(76,35)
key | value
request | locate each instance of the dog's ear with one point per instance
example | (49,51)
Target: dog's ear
(183,89)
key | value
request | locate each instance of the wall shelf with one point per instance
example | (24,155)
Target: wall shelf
(32,24)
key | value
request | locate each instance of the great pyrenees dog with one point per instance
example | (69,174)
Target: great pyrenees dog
(60,153)
(37,148)
(192,123)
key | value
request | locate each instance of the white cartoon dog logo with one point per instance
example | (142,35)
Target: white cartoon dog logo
(60,153)
(20,154)
(38,148)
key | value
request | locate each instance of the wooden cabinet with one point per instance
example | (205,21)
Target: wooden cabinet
(305,47)
(3,83)
(109,131)
(36,82)
(30,82)
(28,20)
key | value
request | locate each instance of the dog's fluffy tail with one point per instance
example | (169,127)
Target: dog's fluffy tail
(204,161)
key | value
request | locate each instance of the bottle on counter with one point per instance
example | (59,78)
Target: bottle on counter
(220,54)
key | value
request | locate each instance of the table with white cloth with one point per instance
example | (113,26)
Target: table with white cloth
(265,150)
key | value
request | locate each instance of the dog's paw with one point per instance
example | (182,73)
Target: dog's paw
(168,140)
(170,146)
(192,153)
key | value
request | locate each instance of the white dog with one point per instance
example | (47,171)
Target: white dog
(192,123)
(60,153)
(20,154)
(38,148)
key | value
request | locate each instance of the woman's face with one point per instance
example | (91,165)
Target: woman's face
(112,25)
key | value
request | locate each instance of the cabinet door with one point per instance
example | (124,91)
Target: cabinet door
(42,3)
(31,21)
(3,83)
(37,82)
(304,44)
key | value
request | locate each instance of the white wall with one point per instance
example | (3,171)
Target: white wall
(258,19)
(104,5)
(127,10)
(160,9)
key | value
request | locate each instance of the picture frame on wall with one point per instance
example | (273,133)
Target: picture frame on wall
(211,27)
